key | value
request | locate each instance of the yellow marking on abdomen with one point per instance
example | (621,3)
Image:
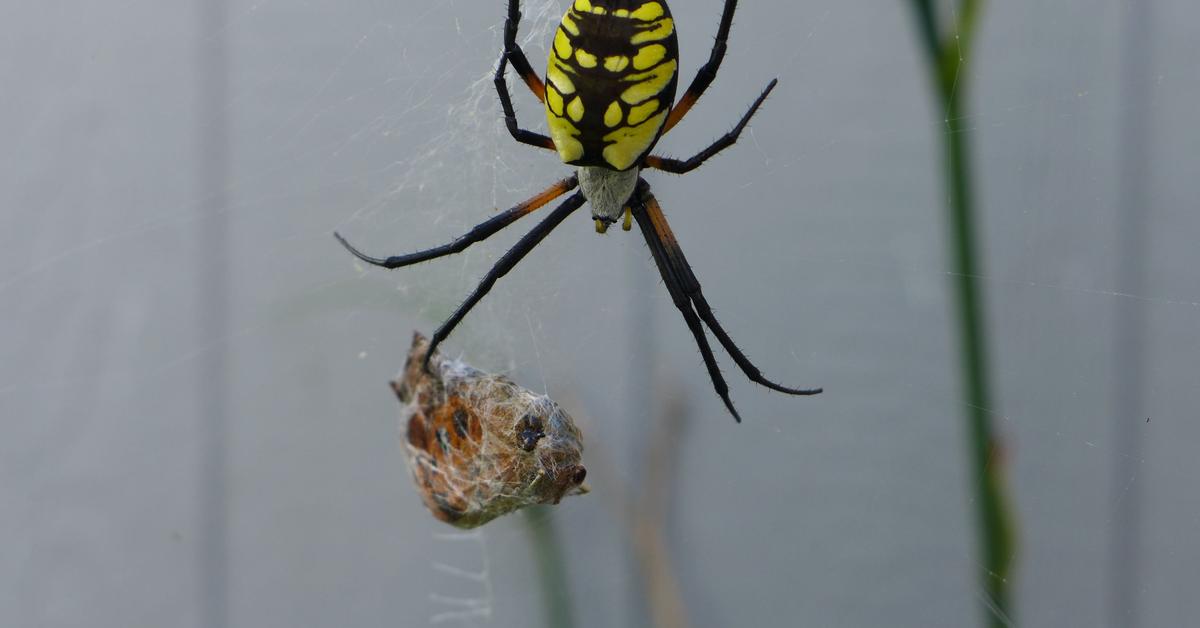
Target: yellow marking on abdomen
(557,74)
(616,64)
(575,109)
(564,134)
(585,58)
(649,84)
(641,112)
(562,44)
(662,29)
(554,101)
(629,142)
(649,56)
(569,23)
(585,6)
(648,12)
(612,115)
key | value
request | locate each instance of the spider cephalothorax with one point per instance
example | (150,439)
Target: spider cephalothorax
(610,85)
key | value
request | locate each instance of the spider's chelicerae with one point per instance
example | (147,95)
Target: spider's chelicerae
(610,84)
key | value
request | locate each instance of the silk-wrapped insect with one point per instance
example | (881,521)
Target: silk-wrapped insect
(480,446)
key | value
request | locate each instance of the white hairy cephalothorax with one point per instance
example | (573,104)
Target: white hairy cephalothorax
(607,190)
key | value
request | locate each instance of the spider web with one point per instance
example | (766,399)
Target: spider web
(819,237)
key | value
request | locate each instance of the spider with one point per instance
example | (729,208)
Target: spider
(609,88)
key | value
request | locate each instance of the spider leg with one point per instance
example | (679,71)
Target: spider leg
(510,115)
(678,166)
(658,233)
(477,234)
(513,50)
(512,53)
(691,287)
(505,264)
(707,72)
(680,299)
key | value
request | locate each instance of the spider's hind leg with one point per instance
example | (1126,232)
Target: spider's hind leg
(689,298)
(659,252)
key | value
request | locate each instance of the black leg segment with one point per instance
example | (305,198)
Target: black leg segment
(689,298)
(685,307)
(510,114)
(677,166)
(505,264)
(517,56)
(477,234)
(707,72)
(513,54)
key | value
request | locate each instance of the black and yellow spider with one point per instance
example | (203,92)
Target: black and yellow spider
(610,84)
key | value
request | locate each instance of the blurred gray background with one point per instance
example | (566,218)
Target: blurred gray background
(195,427)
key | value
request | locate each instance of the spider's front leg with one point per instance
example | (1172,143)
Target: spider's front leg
(708,72)
(513,53)
(510,115)
(677,166)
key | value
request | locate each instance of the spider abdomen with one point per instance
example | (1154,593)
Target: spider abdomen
(610,81)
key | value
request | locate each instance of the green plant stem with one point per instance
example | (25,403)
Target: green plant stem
(552,569)
(991,499)
(946,54)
